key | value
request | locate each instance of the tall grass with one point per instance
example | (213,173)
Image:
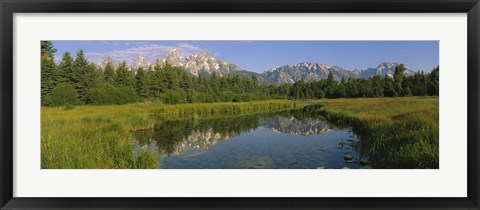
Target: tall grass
(398,132)
(100,136)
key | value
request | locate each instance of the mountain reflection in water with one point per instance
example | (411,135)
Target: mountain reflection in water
(287,139)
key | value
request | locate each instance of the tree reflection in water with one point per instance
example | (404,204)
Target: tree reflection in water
(174,136)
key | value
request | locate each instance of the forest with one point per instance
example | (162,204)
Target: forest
(76,81)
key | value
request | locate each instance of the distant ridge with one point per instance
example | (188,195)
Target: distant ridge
(204,64)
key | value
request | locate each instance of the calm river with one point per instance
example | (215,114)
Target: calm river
(296,139)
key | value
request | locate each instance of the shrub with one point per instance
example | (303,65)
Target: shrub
(63,94)
(177,96)
(109,94)
(226,96)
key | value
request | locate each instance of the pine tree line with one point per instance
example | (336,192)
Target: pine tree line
(419,84)
(78,81)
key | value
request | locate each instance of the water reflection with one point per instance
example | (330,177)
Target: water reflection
(287,139)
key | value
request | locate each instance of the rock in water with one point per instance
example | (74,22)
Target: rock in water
(347,157)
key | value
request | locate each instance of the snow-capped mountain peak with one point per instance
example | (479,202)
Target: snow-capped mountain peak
(384,69)
(310,71)
(140,62)
(106,61)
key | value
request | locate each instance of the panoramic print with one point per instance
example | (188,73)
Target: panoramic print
(239,104)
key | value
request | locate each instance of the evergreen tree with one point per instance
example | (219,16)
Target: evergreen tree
(389,88)
(351,86)
(47,47)
(141,83)
(79,74)
(420,84)
(434,78)
(90,80)
(109,73)
(398,78)
(124,77)
(331,85)
(172,77)
(377,86)
(185,82)
(48,78)
(214,83)
(49,75)
(408,91)
(65,68)
(155,84)
(321,94)
(340,91)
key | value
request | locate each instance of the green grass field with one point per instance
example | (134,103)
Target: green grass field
(400,132)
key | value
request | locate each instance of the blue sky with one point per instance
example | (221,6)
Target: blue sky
(259,56)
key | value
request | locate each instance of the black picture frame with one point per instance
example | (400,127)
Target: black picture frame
(9,7)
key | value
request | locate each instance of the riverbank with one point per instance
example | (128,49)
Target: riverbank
(397,132)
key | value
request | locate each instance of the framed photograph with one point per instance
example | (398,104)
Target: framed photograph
(239,105)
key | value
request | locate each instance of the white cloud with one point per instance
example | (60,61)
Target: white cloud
(109,43)
(152,52)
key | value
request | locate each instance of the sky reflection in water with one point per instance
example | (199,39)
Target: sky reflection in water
(297,139)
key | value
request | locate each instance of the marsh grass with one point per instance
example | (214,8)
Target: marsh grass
(397,132)
(100,137)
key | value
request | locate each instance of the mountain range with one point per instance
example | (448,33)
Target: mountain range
(204,64)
